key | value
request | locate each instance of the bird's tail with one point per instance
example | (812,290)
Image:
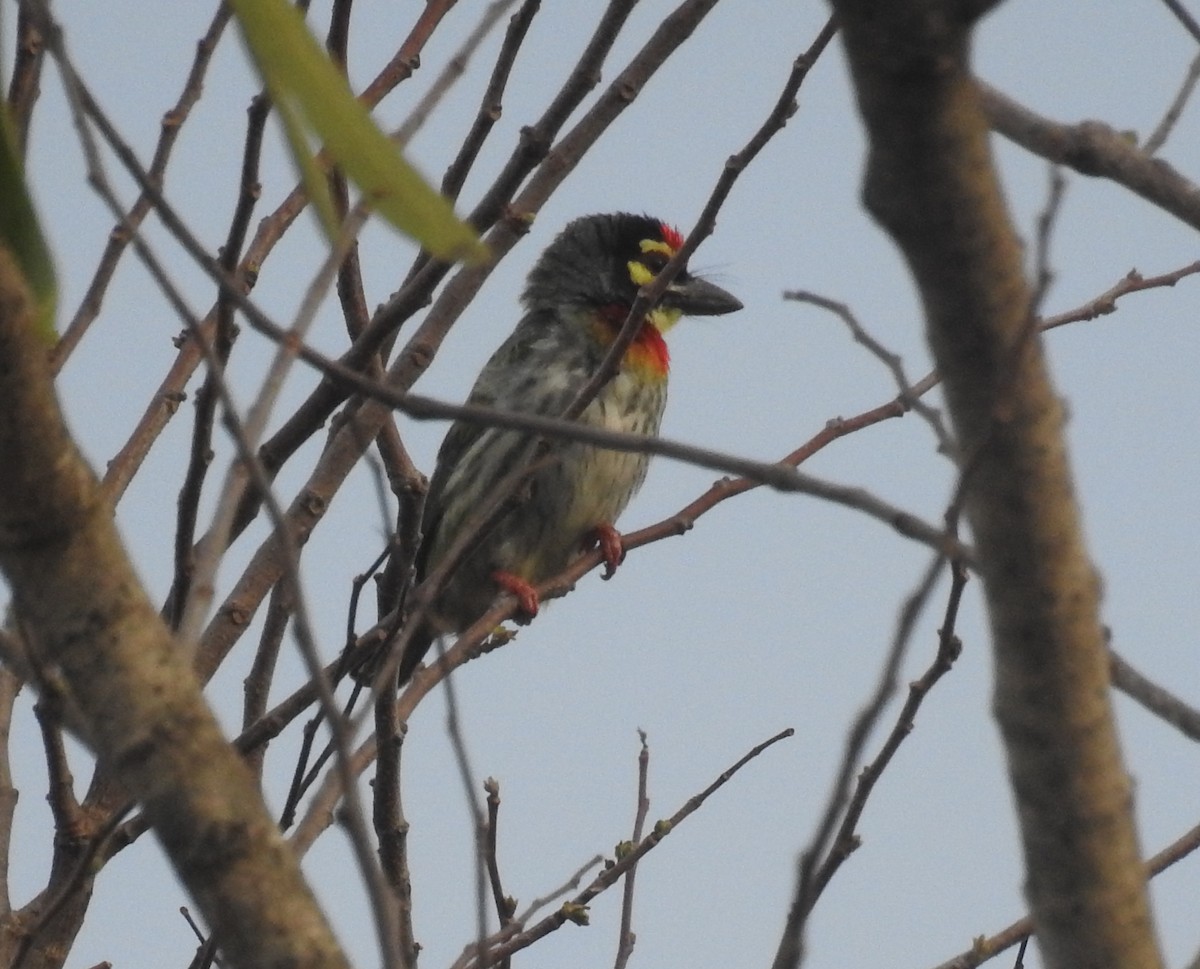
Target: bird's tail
(414,652)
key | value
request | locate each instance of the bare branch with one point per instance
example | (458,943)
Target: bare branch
(820,859)
(1093,148)
(172,125)
(1158,137)
(576,908)
(1156,698)
(626,939)
(987,947)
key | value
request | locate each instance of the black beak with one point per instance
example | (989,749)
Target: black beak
(698,297)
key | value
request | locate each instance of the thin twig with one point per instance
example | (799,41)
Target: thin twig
(1158,137)
(626,938)
(453,70)
(1093,148)
(223,336)
(1047,219)
(84,109)
(491,105)
(569,885)
(257,686)
(895,365)
(813,866)
(172,125)
(504,904)
(10,686)
(575,910)
(462,759)
(987,947)
(1185,18)
(1153,697)
(949,646)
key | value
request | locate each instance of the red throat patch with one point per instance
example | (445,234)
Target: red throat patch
(648,351)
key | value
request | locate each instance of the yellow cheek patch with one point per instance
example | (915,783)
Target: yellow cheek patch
(639,273)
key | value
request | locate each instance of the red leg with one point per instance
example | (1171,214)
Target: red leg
(527,596)
(611,547)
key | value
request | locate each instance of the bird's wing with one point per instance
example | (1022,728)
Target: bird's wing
(514,379)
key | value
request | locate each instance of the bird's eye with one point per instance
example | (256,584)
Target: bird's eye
(655,260)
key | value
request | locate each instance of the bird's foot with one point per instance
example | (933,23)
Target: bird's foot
(612,547)
(527,596)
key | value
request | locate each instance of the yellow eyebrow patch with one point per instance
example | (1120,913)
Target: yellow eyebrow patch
(654,245)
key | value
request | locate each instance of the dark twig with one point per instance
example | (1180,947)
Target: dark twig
(491,105)
(388,818)
(1093,148)
(64,806)
(77,878)
(815,866)
(576,909)
(1043,274)
(1154,697)
(223,336)
(652,292)
(948,649)
(458,743)
(410,487)
(172,124)
(909,394)
(988,947)
(84,110)
(505,904)
(25,84)
(10,686)
(257,685)
(627,939)
(1158,137)
(1185,18)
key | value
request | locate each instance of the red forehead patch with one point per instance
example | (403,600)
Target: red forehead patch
(671,236)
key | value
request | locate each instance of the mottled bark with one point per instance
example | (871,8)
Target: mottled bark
(932,184)
(100,652)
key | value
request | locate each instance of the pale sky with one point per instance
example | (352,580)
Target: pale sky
(775,610)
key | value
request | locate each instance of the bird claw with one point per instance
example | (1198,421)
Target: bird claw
(612,547)
(527,596)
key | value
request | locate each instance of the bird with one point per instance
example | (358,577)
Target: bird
(576,299)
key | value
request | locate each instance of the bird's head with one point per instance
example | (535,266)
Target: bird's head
(599,262)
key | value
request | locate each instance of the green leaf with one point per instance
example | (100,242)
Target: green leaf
(315,182)
(306,86)
(20,232)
